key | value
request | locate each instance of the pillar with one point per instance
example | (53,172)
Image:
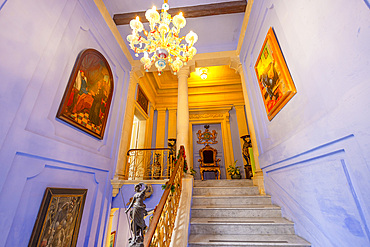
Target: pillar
(171,123)
(120,172)
(258,176)
(161,127)
(149,127)
(242,123)
(228,145)
(182,132)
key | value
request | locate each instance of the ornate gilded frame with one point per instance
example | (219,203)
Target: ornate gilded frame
(275,82)
(60,212)
(86,101)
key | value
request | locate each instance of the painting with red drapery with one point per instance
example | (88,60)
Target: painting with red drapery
(88,95)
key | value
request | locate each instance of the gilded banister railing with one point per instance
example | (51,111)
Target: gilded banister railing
(160,229)
(149,163)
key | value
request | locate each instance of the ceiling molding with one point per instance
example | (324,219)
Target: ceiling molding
(214,58)
(189,11)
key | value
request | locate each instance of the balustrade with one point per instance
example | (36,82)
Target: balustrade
(161,226)
(150,163)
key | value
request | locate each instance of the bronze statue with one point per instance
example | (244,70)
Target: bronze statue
(137,214)
(248,166)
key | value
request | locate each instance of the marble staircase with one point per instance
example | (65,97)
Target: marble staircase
(232,213)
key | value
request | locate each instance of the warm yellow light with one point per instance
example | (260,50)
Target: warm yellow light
(203,73)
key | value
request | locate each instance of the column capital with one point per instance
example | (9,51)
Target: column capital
(183,72)
(136,73)
(239,107)
(235,63)
(172,108)
(239,69)
(161,109)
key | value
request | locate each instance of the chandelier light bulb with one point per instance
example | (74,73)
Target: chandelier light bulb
(152,15)
(162,45)
(179,21)
(191,38)
(136,24)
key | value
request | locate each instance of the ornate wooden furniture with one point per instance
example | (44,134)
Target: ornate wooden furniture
(208,162)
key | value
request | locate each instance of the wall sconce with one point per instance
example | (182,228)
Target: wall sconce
(203,73)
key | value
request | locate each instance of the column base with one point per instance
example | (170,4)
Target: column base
(258,181)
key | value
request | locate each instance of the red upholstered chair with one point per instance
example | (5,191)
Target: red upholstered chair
(208,162)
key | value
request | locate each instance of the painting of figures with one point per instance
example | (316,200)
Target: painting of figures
(87,99)
(274,79)
(59,218)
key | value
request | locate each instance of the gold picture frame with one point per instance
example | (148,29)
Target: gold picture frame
(59,218)
(112,240)
(274,79)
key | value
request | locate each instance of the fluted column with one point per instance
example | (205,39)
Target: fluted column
(161,127)
(182,132)
(258,177)
(149,127)
(135,75)
(171,123)
(242,122)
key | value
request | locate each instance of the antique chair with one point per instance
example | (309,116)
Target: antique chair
(208,162)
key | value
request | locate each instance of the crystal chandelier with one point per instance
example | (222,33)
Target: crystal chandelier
(162,44)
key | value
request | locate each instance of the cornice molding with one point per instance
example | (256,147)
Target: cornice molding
(112,26)
(244,26)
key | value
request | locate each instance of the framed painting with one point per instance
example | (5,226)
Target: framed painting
(275,82)
(142,100)
(112,239)
(59,218)
(87,98)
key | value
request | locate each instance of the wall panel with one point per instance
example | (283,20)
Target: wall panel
(313,153)
(41,40)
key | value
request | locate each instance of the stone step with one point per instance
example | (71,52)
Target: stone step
(223,183)
(259,240)
(198,191)
(218,211)
(231,200)
(240,226)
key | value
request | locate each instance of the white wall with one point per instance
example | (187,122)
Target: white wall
(314,153)
(39,43)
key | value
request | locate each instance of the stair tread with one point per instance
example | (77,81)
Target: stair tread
(229,196)
(240,220)
(225,182)
(235,215)
(223,187)
(236,206)
(257,239)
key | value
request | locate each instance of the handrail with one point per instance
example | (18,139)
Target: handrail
(149,163)
(146,149)
(155,231)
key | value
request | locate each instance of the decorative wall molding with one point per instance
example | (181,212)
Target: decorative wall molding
(206,116)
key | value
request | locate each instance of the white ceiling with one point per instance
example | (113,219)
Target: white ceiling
(216,33)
